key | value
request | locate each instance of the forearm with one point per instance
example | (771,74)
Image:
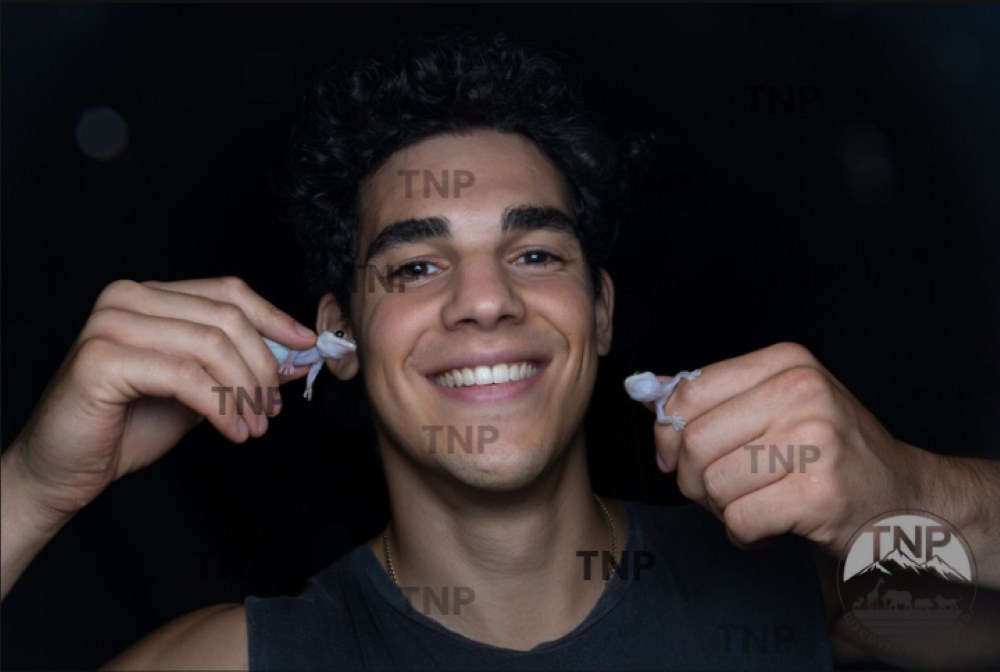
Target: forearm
(966,493)
(24,527)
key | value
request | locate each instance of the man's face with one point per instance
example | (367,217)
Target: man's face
(484,275)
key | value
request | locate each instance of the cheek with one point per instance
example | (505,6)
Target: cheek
(571,309)
(392,324)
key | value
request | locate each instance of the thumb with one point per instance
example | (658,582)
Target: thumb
(668,446)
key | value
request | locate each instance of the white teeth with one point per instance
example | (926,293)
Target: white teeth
(500,373)
(487,375)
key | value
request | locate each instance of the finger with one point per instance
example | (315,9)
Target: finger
(265,316)
(723,451)
(156,299)
(153,297)
(717,383)
(724,380)
(738,473)
(793,504)
(666,439)
(208,345)
(131,373)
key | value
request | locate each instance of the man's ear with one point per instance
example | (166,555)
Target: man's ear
(604,310)
(329,317)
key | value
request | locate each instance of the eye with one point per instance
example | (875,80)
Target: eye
(539,257)
(413,270)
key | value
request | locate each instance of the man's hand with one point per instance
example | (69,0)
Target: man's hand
(845,467)
(139,376)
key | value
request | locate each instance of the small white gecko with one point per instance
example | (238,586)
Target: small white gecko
(646,387)
(328,346)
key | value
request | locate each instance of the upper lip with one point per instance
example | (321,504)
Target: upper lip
(472,360)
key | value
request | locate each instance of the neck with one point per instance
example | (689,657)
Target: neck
(501,568)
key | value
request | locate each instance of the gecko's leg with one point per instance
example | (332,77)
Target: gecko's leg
(311,378)
(675,421)
(288,366)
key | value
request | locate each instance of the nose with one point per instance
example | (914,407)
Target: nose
(482,293)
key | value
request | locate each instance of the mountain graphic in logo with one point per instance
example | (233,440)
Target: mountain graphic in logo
(894,600)
(898,562)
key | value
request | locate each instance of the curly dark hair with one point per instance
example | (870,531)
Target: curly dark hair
(359,114)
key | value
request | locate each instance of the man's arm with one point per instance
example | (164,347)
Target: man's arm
(145,369)
(213,638)
(966,492)
(25,527)
(847,469)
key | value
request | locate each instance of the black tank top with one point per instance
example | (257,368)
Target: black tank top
(684,598)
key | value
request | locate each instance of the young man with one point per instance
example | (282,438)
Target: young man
(494,321)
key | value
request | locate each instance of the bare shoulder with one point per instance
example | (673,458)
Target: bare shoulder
(212,638)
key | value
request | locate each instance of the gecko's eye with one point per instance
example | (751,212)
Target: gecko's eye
(339,333)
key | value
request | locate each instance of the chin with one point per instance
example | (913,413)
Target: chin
(502,469)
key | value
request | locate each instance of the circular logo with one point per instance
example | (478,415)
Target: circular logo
(906,576)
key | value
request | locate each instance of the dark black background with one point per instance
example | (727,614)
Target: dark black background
(860,220)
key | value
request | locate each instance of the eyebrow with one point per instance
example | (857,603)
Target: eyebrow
(514,218)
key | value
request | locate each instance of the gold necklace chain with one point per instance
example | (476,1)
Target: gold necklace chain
(387,554)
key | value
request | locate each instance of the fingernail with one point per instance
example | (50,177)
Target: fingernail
(303,330)
(262,423)
(242,429)
(660,463)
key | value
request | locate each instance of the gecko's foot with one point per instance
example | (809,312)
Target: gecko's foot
(675,421)
(308,394)
(288,366)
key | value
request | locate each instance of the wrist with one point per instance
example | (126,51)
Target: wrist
(966,493)
(945,487)
(23,498)
(25,523)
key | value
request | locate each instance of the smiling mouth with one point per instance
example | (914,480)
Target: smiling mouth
(487,375)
